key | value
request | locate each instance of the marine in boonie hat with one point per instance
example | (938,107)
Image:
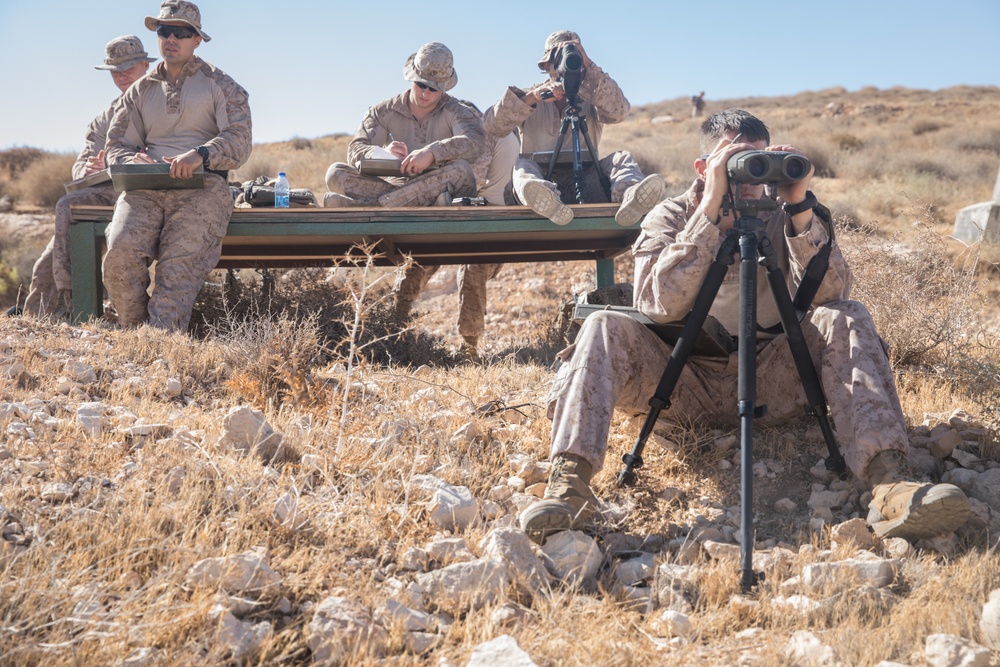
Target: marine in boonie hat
(123,52)
(554,40)
(432,65)
(173,12)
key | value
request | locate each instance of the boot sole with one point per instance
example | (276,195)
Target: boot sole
(941,511)
(640,200)
(544,202)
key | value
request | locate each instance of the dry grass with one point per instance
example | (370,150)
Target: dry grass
(41,182)
(304,161)
(364,407)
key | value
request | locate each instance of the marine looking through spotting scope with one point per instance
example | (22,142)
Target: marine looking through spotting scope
(772,167)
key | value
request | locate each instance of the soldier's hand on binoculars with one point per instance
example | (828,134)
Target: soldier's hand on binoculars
(717,178)
(795,192)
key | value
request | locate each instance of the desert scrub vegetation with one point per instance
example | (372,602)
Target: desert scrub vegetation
(304,161)
(227,497)
(935,309)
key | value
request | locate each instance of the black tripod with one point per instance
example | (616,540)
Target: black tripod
(572,118)
(748,237)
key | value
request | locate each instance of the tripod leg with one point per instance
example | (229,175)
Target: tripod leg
(578,181)
(605,181)
(816,401)
(555,151)
(747,396)
(678,358)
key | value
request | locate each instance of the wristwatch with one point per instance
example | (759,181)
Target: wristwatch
(203,152)
(806,204)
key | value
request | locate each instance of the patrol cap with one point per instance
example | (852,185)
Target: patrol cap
(554,40)
(122,53)
(178,11)
(432,65)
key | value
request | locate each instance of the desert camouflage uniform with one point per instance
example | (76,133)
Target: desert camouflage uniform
(51,279)
(453,133)
(492,171)
(181,229)
(603,102)
(617,362)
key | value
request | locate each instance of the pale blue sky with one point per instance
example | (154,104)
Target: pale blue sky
(314,67)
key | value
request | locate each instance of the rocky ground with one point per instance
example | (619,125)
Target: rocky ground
(155,510)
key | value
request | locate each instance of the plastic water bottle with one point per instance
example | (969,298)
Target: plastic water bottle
(281,191)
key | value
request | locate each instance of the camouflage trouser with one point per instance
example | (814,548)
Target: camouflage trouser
(455,177)
(621,168)
(183,231)
(499,167)
(471,292)
(618,362)
(51,280)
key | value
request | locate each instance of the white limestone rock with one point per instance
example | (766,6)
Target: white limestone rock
(500,652)
(989,622)
(941,650)
(342,629)
(247,574)
(572,556)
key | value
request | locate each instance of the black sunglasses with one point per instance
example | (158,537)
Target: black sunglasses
(424,86)
(180,32)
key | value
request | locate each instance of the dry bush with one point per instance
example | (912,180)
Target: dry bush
(41,182)
(9,285)
(927,307)
(14,161)
(846,141)
(305,161)
(926,125)
(319,302)
(919,299)
(987,142)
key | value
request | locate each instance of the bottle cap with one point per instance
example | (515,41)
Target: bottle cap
(281,173)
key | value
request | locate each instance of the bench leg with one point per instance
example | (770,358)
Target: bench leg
(605,273)
(85,259)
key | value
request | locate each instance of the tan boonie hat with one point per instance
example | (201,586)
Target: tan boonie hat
(123,52)
(178,11)
(432,65)
(554,40)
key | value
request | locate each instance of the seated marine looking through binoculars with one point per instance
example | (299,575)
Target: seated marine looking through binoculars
(617,362)
(577,95)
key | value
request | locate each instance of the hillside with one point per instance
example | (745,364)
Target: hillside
(253,494)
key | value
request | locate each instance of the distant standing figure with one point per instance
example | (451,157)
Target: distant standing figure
(697,104)
(51,281)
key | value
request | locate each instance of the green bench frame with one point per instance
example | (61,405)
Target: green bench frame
(286,238)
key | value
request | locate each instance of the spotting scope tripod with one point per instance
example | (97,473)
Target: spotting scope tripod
(747,237)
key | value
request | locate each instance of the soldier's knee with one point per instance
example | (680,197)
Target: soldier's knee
(335,174)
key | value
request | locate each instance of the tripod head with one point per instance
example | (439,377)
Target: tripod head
(748,208)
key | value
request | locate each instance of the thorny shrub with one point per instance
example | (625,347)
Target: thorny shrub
(282,324)
(41,182)
(926,306)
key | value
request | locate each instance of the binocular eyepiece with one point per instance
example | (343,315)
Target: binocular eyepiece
(771,167)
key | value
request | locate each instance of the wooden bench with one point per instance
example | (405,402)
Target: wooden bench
(285,238)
